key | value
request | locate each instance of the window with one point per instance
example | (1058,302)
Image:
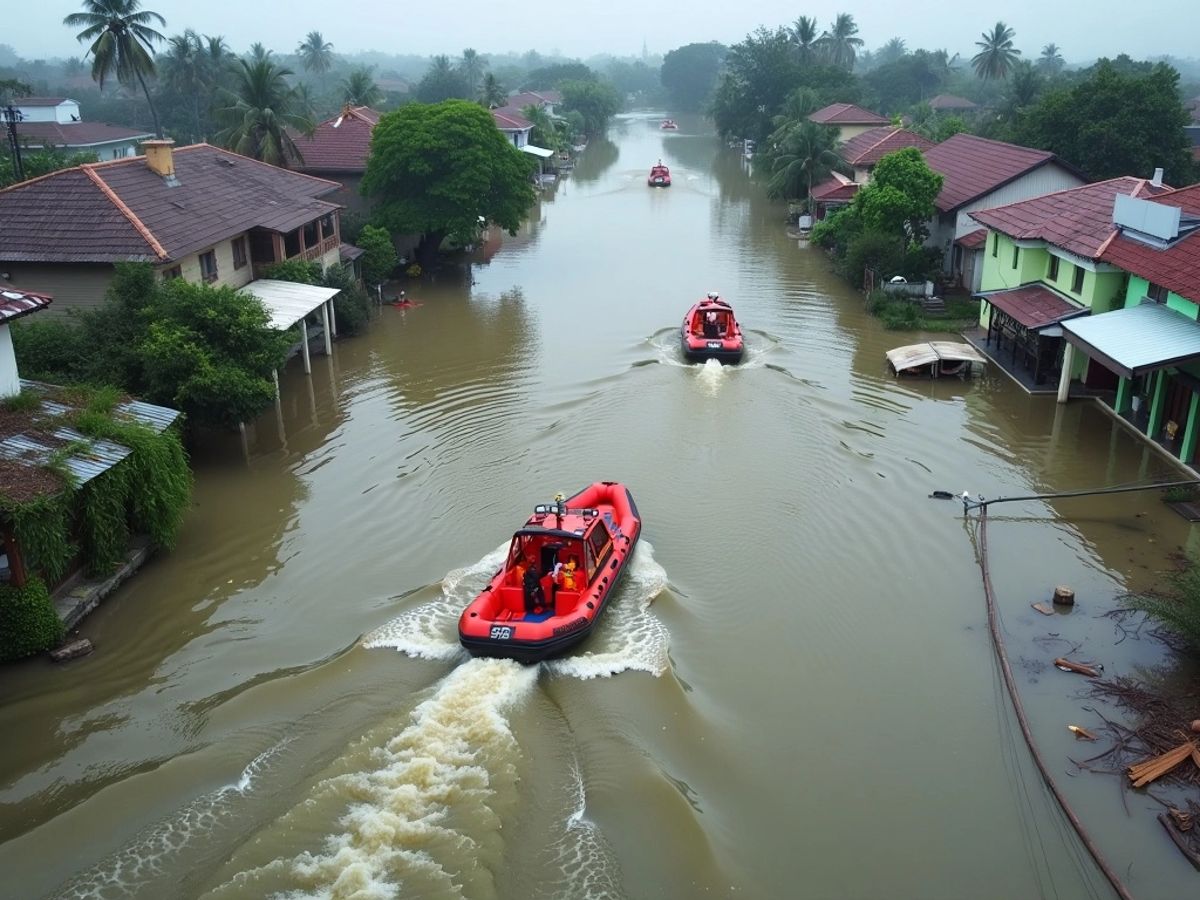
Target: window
(1016,255)
(328,229)
(239,252)
(173,272)
(291,244)
(208,265)
(310,236)
(1052,272)
(1077,281)
(995,243)
(1156,292)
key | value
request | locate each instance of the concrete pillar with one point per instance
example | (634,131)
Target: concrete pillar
(333,317)
(1188,447)
(275,378)
(328,337)
(1124,401)
(1156,404)
(1064,381)
(304,347)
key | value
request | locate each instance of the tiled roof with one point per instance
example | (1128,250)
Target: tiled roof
(15,303)
(1034,305)
(868,148)
(1078,220)
(976,238)
(122,211)
(509,118)
(839,187)
(76,134)
(973,166)
(847,114)
(40,101)
(1176,268)
(949,101)
(532,98)
(339,144)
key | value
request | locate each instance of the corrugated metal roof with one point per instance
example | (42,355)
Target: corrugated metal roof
(158,418)
(15,303)
(1138,339)
(287,301)
(914,356)
(84,464)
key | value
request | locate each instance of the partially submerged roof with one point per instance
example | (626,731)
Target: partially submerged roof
(1136,339)
(847,114)
(868,148)
(1175,267)
(973,166)
(122,211)
(288,301)
(340,143)
(1034,306)
(912,356)
(15,303)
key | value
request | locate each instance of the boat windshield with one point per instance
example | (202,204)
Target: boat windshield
(544,551)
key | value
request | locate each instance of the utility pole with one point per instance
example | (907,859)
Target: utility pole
(12,116)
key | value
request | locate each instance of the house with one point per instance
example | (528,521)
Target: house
(833,194)
(545,100)
(513,124)
(55,123)
(850,120)
(196,212)
(337,151)
(1039,265)
(979,173)
(952,105)
(1150,343)
(859,156)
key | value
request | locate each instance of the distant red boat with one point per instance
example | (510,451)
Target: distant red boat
(562,567)
(660,176)
(710,331)
(668,125)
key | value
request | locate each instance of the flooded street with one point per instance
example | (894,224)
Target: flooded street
(792,695)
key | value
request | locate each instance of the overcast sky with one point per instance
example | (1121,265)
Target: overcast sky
(1084,29)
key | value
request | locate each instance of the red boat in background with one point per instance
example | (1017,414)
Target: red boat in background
(668,125)
(660,176)
(561,569)
(710,331)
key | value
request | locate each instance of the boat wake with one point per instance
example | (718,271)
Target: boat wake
(585,864)
(667,352)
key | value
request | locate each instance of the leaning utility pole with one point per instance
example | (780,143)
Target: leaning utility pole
(12,116)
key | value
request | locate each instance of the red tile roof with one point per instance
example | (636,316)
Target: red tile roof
(1078,220)
(40,101)
(837,188)
(950,101)
(847,114)
(76,134)
(340,143)
(971,241)
(122,211)
(1177,268)
(973,166)
(1034,305)
(15,303)
(534,98)
(868,148)
(509,118)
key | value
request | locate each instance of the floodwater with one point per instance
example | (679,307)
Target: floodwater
(793,694)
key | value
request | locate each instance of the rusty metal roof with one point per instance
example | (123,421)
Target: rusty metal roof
(14,303)
(85,464)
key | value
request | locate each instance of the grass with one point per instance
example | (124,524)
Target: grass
(907,315)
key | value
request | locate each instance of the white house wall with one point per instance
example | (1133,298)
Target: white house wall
(226,273)
(1045,180)
(10,381)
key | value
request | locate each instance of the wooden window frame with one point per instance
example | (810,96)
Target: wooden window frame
(240,253)
(209,277)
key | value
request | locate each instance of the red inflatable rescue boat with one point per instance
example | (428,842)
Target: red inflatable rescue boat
(710,331)
(562,567)
(660,176)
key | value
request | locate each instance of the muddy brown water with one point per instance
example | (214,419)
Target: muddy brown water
(792,695)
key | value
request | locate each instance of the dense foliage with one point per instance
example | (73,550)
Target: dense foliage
(35,163)
(28,622)
(379,257)
(689,73)
(595,101)
(1177,608)
(438,170)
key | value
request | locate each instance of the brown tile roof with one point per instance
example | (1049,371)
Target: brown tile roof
(1078,220)
(1177,268)
(949,101)
(837,188)
(15,303)
(40,101)
(868,148)
(122,211)
(847,114)
(1034,305)
(973,240)
(77,134)
(340,143)
(973,166)
(510,118)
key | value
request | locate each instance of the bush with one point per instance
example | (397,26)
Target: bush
(49,349)
(1179,609)
(28,622)
(352,307)
(379,254)
(297,270)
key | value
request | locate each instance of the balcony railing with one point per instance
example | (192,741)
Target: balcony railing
(311,253)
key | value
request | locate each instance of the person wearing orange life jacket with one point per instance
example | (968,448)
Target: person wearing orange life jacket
(568,574)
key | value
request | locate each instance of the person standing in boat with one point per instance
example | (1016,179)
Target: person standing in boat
(710,324)
(566,575)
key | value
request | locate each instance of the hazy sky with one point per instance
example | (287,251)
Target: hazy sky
(1084,29)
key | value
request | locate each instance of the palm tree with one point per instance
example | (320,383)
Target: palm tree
(891,51)
(806,152)
(996,55)
(184,71)
(491,92)
(121,39)
(1023,88)
(259,110)
(840,42)
(472,67)
(544,133)
(1051,60)
(316,53)
(359,88)
(805,36)
(258,52)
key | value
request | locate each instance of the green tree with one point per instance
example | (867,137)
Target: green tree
(358,88)
(806,35)
(442,82)
(689,73)
(1024,87)
(760,72)
(185,71)
(801,153)
(841,43)
(900,197)
(491,92)
(439,169)
(996,56)
(472,68)
(258,52)
(122,43)
(596,101)
(893,50)
(1051,61)
(1113,123)
(549,78)
(41,162)
(379,254)
(316,53)
(545,133)
(259,110)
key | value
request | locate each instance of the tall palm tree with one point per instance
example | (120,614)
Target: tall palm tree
(805,36)
(996,56)
(840,42)
(1023,88)
(184,68)
(258,111)
(1051,61)
(359,89)
(891,51)
(316,53)
(491,92)
(122,42)
(806,152)
(258,52)
(472,68)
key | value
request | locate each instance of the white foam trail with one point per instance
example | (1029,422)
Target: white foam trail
(430,631)
(630,637)
(712,376)
(587,867)
(155,852)
(427,819)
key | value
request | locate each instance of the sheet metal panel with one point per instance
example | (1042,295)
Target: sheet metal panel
(288,302)
(1138,339)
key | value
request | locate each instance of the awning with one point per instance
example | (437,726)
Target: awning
(1138,339)
(1033,306)
(350,253)
(913,356)
(287,301)
(540,152)
(15,303)
(973,240)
